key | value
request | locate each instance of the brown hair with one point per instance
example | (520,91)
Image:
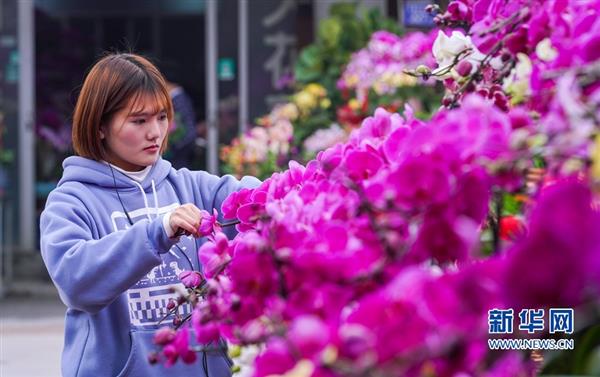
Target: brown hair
(114,82)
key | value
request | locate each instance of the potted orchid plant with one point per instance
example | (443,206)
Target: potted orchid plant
(429,247)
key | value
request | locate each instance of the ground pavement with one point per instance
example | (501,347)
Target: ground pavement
(31,331)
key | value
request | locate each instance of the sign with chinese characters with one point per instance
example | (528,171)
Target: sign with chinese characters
(531,321)
(560,320)
(272,52)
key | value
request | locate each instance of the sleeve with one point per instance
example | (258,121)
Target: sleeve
(90,273)
(214,190)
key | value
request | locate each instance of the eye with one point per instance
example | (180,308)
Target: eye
(162,117)
(139,121)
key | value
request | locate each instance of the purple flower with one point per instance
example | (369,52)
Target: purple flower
(275,359)
(214,254)
(421,180)
(564,243)
(476,129)
(395,143)
(362,164)
(252,270)
(464,68)
(444,238)
(591,48)
(191,279)
(208,223)
(472,194)
(326,302)
(458,302)
(179,347)
(253,331)
(459,11)
(539,27)
(171,355)
(233,202)
(249,213)
(384,317)
(206,331)
(517,41)
(164,336)
(519,118)
(309,334)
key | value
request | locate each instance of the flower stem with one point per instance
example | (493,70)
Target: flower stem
(231,223)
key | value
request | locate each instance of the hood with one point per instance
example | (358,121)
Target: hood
(80,169)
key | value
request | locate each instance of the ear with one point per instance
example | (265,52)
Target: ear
(101,131)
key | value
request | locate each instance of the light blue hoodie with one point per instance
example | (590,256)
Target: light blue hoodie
(115,278)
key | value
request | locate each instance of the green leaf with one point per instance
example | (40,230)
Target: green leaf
(330,30)
(590,341)
(539,162)
(343,10)
(510,205)
(593,362)
(583,360)
(309,65)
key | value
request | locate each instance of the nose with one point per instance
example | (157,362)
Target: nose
(154,129)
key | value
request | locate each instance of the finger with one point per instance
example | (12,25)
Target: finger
(180,216)
(191,207)
(193,211)
(185,227)
(191,218)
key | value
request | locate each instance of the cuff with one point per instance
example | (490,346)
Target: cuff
(158,237)
(166,222)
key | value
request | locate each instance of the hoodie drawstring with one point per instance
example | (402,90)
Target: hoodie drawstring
(155,198)
(145,199)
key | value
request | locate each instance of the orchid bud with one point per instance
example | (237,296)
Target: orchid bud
(171,304)
(446,101)
(234,351)
(432,8)
(483,92)
(189,357)
(464,68)
(177,320)
(423,70)
(164,336)
(191,279)
(153,358)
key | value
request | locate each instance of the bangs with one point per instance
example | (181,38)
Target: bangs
(148,93)
(148,101)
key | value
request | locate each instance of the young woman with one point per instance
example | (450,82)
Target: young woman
(122,224)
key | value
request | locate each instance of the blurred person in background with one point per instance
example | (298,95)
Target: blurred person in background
(123,224)
(183,134)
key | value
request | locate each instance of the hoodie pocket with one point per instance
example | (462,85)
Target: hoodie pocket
(130,359)
(142,345)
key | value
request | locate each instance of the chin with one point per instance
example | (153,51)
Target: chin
(147,161)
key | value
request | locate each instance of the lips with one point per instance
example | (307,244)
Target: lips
(152,148)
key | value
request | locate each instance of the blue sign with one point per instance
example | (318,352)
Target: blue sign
(414,13)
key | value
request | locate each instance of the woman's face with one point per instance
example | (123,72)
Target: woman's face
(135,134)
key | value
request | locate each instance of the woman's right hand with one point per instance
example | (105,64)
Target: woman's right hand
(186,220)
